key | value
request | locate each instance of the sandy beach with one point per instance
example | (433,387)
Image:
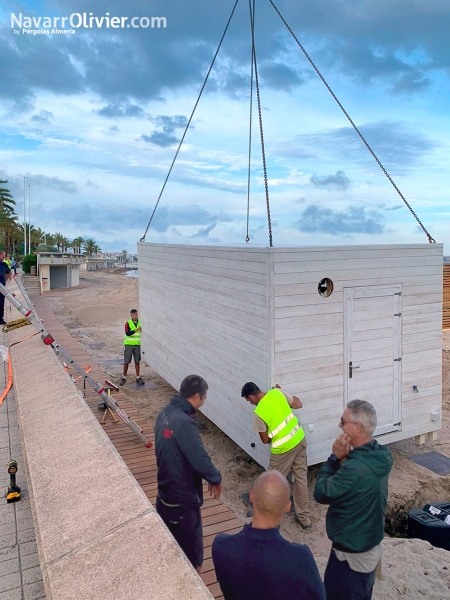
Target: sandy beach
(95,315)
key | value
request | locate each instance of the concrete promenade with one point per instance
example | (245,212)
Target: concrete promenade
(20,573)
(98,536)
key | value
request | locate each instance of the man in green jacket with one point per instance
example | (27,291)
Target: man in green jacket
(354,482)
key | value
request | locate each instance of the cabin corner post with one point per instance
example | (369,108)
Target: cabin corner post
(271,319)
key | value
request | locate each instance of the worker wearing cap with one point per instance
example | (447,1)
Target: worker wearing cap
(277,425)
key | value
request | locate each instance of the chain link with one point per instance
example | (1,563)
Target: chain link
(252,24)
(263,152)
(190,119)
(430,238)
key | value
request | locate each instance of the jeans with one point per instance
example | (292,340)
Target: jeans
(342,583)
(185,524)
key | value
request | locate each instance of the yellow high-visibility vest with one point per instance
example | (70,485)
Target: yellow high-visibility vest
(283,427)
(135,339)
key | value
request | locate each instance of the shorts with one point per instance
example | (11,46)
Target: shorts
(130,352)
(185,524)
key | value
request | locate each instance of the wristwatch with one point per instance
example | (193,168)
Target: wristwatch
(334,459)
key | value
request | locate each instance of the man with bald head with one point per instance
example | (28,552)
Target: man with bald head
(258,563)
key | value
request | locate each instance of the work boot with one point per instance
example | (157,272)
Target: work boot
(123,381)
(140,381)
(303,524)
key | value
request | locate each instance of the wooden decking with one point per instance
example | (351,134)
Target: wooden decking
(217,517)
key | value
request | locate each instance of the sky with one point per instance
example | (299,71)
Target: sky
(92,119)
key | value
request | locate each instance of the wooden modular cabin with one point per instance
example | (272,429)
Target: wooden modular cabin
(329,324)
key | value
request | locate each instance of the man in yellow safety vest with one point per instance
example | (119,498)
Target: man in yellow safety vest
(277,425)
(132,347)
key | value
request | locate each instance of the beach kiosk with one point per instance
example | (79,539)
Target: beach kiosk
(328,324)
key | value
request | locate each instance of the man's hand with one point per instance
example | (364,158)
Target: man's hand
(342,446)
(214,490)
(139,329)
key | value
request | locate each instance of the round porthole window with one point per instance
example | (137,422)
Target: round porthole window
(325,287)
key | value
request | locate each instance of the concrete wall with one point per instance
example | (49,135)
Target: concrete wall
(98,535)
(44,274)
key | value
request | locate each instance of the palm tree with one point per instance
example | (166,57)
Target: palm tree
(65,244)
(8,228)
(37,236)
(77,243)
(90,246)
(59,240)
(6,200)
(124,257)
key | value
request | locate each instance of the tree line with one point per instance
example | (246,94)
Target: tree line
(12,233)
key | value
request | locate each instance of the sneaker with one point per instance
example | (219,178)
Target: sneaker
(305,524)
(123,381)
(140,381)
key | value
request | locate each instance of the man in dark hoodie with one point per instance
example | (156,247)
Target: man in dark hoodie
(354,482)
(182,464)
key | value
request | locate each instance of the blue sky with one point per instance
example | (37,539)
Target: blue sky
(93,119)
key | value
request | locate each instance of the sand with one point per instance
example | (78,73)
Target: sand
(412,568)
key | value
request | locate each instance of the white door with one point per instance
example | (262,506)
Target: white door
(372,346)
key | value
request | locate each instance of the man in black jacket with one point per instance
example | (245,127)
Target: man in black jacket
(182,464)
(354,482)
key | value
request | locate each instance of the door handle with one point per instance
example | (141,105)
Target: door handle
(351,368)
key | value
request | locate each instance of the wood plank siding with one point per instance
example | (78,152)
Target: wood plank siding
(309,334)
(233,315)
(446,299)
(205,310)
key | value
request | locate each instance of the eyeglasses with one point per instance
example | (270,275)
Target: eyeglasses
(344,422)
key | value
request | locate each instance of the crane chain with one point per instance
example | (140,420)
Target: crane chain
(252,21)
(261,131)
(430,238)
(190,119)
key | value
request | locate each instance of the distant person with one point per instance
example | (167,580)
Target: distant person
(8,261)
(13,264)
(354,482)
(132,347)
(5,273)
(182,465)
(258,563)
(277,425)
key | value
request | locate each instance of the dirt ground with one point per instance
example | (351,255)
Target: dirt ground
(96,314)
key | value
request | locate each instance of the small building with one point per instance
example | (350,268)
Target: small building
(94,264)
(58,270)
(329,324)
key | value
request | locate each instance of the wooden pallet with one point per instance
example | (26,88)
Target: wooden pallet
(217,517)
(446,298)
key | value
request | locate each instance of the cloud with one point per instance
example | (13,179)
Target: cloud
(39,183)
(187,215)
(398,148)
(121,111)
(43,118)
(336,182)
(278,76)
(87,215)
(366,41)
(159,138)
(315,219)
(168,125)
(204,231)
